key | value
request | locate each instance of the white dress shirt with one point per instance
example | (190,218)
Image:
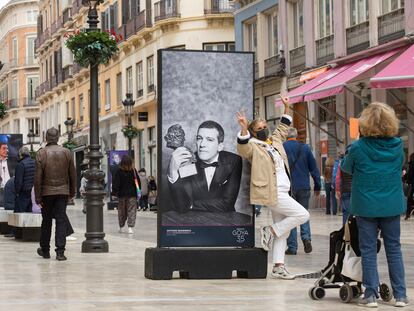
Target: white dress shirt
(4,172)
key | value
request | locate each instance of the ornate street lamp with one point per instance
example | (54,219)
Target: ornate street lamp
(69,127)
(129,105)
(30,138)
(94,193)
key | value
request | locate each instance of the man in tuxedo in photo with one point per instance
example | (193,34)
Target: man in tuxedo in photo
(215,184)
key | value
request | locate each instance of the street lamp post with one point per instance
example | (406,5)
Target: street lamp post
(128,105)
(94,193)
(69,127)
(30,137)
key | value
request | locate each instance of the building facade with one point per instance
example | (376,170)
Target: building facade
(19,75)
(145,26)
(297,40)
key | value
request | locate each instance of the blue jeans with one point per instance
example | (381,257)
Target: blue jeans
(302,197)
(368,233)
(345,204)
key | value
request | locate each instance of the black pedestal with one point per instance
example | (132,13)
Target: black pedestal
(4,228)
(27,234)
(112,205)
(193,263)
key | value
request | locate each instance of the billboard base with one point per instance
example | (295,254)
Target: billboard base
(112,205)
(205,263)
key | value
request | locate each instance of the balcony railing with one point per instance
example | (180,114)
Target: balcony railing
(67,72)
(76,68)
(42,37)
(357,38)
(256,70)
(76,6)
(13,103)
(391,26)
(297,59)
(166,9)
(29,102)
(122,31)
(324,50)
(274,66)
(135,24)
(218,7)
(67,15)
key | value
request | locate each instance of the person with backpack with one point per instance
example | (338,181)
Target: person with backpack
(302,163)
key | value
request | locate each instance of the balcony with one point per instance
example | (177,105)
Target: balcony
(391,26)
(324,50)
(76,6)
(122,31)
(41,38)
(166,9)
(54,27)
(76,68)
(218,7)
(357,38)
(67,73)
(29,102)
(66,15)
(297,59)
(136,23)
(274,66)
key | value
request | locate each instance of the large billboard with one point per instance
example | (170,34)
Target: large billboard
(203,182)
(9,148)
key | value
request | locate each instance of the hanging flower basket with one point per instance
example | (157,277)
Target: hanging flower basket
(3,110)
(130,131)
(70,144)
(92,47)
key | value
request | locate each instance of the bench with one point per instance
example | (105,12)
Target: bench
(26,225)
(4,218)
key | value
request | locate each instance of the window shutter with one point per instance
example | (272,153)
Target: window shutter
(112,18)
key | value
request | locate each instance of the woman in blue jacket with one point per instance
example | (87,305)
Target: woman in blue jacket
(375,162)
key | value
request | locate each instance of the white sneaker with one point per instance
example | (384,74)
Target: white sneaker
(130,230)
(401,302)
(70,238)
(281,273)
(121,230)
(267,238)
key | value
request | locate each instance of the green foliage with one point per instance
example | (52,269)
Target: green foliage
(130,131)
(3,110)
(92,47)
(70,144)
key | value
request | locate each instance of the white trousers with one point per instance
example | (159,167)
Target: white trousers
(286,214)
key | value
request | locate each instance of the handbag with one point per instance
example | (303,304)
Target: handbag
(138,189)
(351,265)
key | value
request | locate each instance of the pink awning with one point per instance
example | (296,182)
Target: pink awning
(337,84)
(297,94)
(398,74)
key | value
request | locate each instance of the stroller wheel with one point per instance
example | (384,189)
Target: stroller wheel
(356,291)
(316,293)
(385,292)
(346,293)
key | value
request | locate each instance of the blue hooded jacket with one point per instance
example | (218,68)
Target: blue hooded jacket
(376,168)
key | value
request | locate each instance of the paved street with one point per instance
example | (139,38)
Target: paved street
(115,281)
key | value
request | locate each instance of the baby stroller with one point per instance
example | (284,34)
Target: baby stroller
(332,275)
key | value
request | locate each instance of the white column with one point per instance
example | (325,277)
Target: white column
(409,16)
(339,24)
(374,12)
(309,34)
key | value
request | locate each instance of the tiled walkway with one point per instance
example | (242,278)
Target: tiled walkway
(115,281)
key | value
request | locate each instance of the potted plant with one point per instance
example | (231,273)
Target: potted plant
(130,131)
(3,110)
(92,47)
(70,144)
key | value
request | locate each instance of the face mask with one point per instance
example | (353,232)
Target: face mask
(262,134)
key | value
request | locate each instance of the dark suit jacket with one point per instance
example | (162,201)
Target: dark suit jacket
(224,188)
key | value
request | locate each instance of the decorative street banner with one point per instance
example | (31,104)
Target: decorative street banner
(203,182)
(9,148)
(114,159)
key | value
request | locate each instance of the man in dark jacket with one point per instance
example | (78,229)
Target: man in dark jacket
(55,182)
(302,164)
(23,182)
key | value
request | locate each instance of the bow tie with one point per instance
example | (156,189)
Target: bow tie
(205,165)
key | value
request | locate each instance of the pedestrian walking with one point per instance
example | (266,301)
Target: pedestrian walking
(270,184)
(302,164)
(124,186)
(143,201)
(327,173)
(409,180)
(375,162)
(55,183)
(24,181)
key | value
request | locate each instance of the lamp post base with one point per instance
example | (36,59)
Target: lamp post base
(94,245)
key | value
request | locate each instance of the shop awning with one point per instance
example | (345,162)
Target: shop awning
(398,74)
(337,84)
(297,94)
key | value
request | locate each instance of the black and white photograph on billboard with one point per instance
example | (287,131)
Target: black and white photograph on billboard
(204,193)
